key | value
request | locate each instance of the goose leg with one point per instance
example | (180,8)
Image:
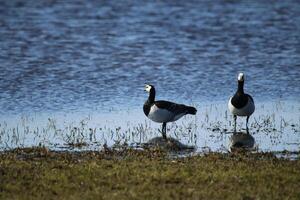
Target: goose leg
(164,130)
(234,118)
(247,124)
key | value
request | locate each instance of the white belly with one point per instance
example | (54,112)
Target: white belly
(247,110)
(162,115)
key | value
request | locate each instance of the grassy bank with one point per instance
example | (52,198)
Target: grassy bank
(41,174)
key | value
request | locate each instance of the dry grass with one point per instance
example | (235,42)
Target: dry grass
(131,174)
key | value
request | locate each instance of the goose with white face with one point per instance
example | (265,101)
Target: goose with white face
(241,104)
(164,111)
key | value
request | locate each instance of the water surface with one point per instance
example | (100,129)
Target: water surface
(63,55)
(73,59)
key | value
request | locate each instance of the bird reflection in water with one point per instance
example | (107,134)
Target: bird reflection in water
(241,141)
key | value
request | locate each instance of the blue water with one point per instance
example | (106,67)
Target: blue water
(74,71)
(90,55)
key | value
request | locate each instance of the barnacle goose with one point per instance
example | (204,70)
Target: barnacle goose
(241,104)
(164,111)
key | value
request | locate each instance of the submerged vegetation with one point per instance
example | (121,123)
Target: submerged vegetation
(38,173)
(275,127)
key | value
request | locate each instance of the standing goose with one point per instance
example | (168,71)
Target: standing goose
(164,111)
(241,104)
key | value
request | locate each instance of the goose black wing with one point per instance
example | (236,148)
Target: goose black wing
(172,107)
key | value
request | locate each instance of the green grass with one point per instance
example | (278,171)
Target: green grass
(132,174)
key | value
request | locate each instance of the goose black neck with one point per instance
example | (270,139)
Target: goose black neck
(240,87)
(151,95)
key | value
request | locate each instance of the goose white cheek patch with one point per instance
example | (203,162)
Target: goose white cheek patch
(147,88)
(241,77)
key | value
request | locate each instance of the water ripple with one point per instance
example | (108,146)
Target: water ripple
(62,55)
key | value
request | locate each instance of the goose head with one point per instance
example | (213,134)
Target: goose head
(149,88)
(241,77)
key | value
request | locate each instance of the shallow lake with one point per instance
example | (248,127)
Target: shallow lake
(74,72)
